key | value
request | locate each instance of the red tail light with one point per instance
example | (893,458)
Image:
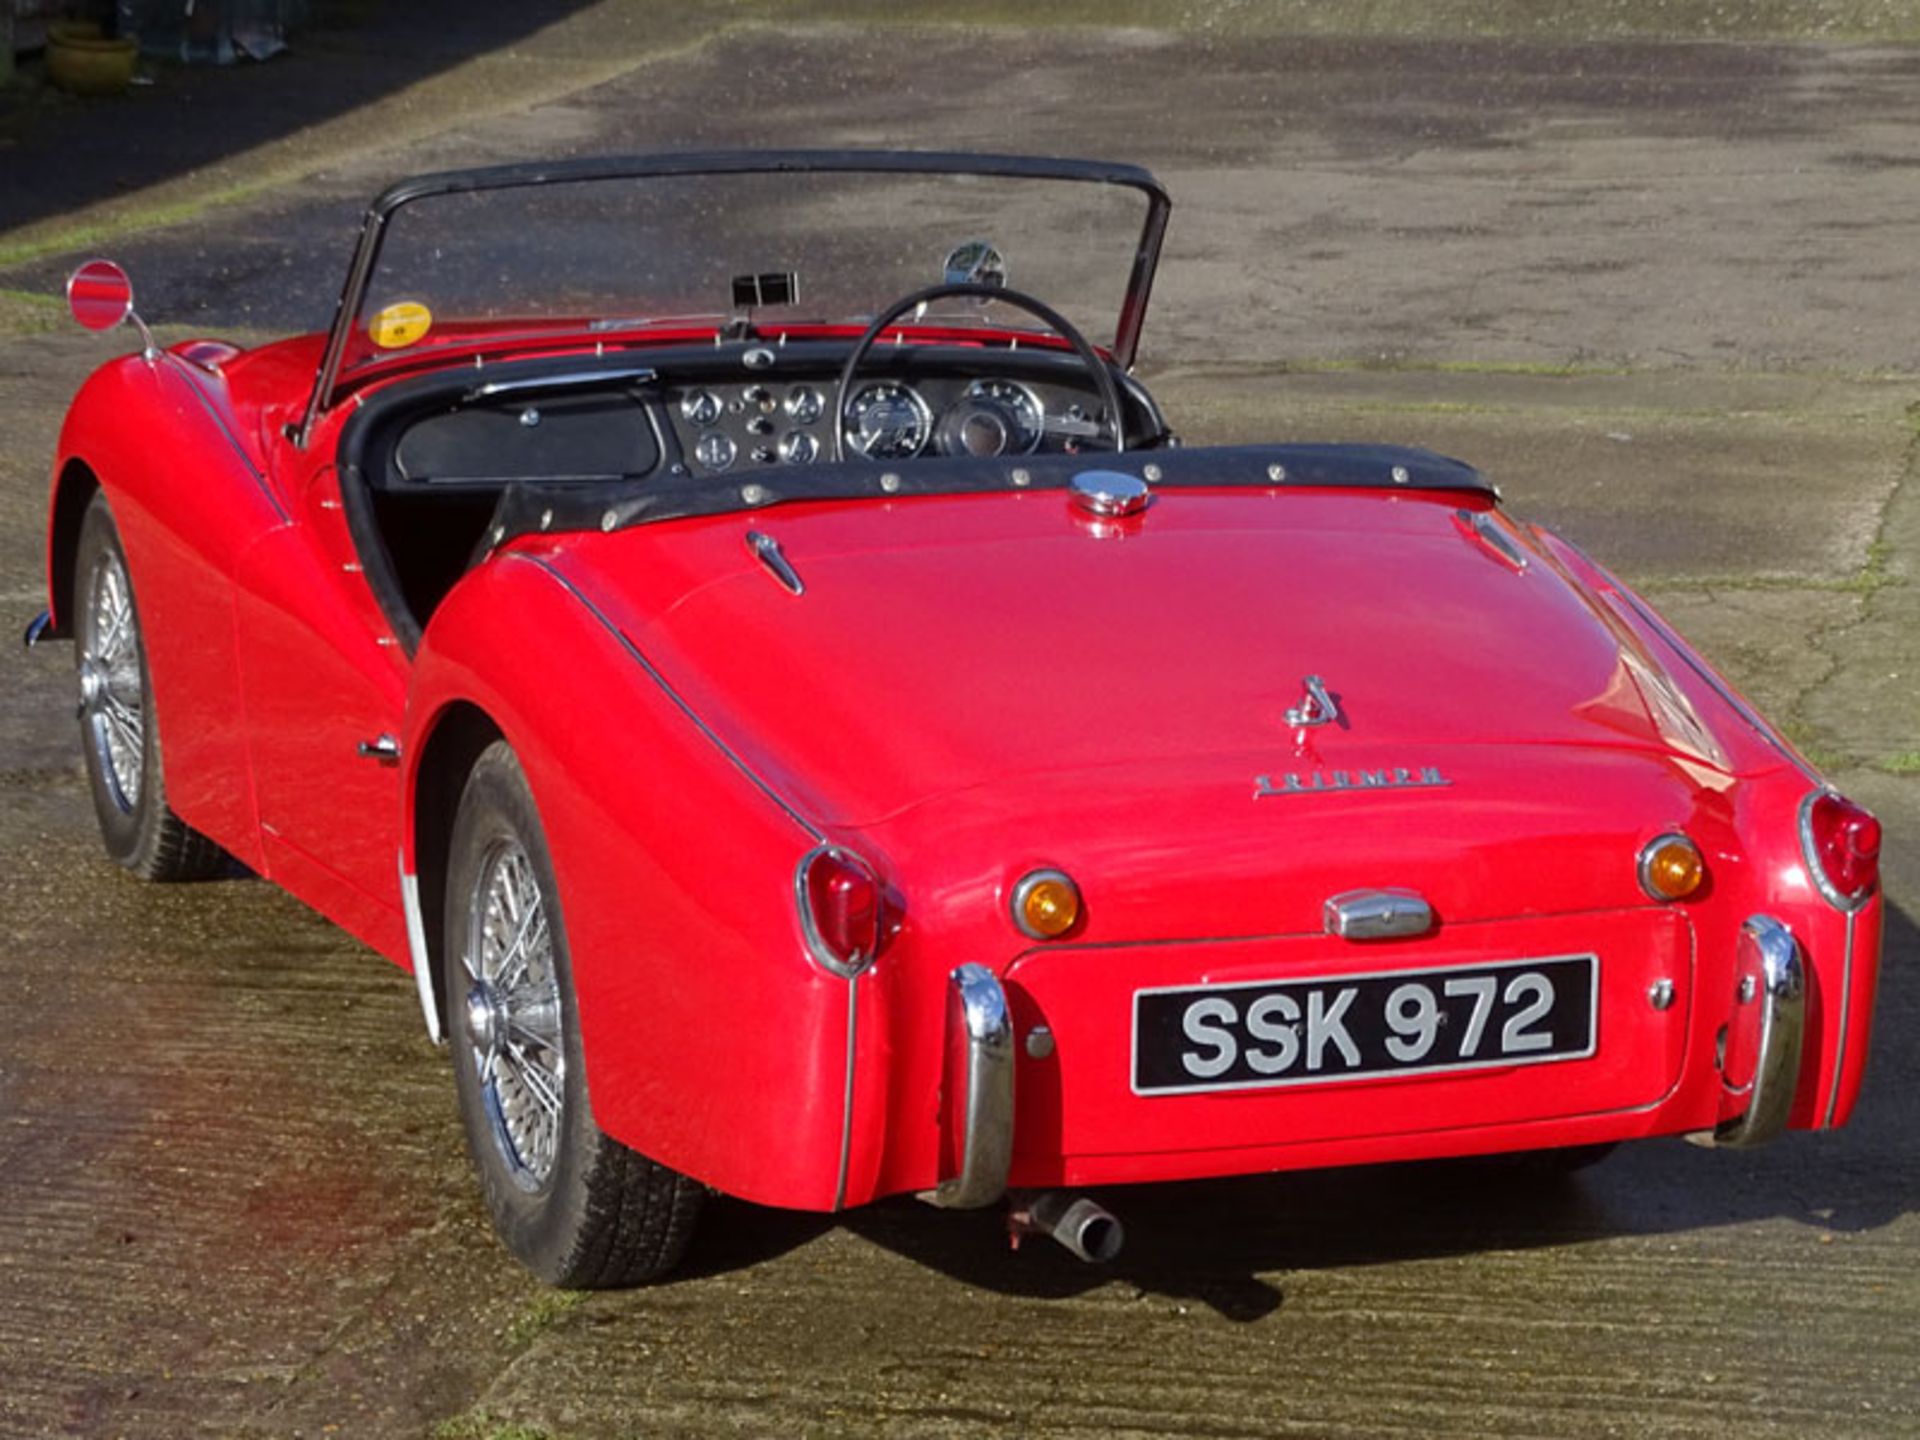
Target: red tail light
(840,909)
(1842,844)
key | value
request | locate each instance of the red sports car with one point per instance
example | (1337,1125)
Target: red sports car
(812,732)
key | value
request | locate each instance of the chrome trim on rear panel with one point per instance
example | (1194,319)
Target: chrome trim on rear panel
(1846,1013)
(978,1006)
(846,1099)
(1376,914)
(1783,1012)
(1849,908)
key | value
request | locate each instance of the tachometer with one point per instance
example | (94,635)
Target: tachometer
(1019,405)
(888,421)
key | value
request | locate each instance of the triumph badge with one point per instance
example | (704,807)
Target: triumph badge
(1320,782)
(1316,707)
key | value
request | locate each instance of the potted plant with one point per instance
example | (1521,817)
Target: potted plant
(86,57)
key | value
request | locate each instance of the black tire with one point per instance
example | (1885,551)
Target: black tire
(576,1207)
(119,732)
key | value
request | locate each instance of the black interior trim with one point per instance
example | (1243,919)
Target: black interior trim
(441,529)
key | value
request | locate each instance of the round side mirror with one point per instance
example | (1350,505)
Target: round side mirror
(99,295)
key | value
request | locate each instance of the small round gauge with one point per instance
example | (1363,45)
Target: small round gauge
(702,407)
(1021,405)
(888,421)
(805,404)
(797,447)
(715,451)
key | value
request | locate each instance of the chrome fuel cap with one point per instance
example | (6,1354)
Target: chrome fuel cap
(1109,493)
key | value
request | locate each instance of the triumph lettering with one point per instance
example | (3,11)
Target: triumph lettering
(1401,777)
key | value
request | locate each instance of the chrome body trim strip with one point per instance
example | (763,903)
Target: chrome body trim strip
(1781,993)
(1846,1014)
(1376,914)
(767,551)
(36,630)
(568,380)
(190,376)
(1849,908)
(417,952)
(746,771)
(1746,712)
(846,1100)
(978,1006)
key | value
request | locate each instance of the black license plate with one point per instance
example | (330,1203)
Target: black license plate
(1400,1022)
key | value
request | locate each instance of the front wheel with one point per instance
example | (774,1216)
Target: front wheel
(577,1207)
(118,733)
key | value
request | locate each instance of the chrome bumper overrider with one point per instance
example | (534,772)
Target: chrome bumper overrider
(981,1024)
(1770,991)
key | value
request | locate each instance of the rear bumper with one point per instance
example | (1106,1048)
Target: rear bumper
(1757,1068)
(1768,1023)
(980,1052)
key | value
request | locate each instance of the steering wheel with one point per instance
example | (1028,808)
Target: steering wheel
(1110,418)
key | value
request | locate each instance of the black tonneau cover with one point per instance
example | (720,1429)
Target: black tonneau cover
(526,509)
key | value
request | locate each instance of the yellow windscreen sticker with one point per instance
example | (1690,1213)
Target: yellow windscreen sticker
(401,324)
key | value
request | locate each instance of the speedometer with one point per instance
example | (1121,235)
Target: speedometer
(1020,405)
(888,421)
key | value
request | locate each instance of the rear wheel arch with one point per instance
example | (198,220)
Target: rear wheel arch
(73,492)
(460,735)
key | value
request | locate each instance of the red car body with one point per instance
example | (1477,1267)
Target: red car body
(975,687)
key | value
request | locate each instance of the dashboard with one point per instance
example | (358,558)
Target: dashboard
(724,427)
(726,412)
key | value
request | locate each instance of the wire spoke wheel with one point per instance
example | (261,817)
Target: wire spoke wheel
(578,1207)
(113,706)
(513,1015)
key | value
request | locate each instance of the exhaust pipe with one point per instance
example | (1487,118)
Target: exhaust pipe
(1090,1231)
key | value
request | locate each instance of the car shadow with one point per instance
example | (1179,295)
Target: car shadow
(1226,1244)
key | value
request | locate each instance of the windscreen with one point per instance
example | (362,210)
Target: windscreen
(621,254)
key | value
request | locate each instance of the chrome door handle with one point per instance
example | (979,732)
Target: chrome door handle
(384,749)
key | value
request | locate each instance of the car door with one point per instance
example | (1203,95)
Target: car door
(324,687)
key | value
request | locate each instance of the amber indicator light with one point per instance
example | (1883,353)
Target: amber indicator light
(1046,903)
(1671,868)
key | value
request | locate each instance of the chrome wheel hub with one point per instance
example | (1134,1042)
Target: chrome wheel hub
(486,1022)
(514,1033)
(113,709)
(93,685)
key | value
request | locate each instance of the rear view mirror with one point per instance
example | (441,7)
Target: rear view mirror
(99,295)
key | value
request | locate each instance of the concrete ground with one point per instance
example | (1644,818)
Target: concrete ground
(1661,290)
